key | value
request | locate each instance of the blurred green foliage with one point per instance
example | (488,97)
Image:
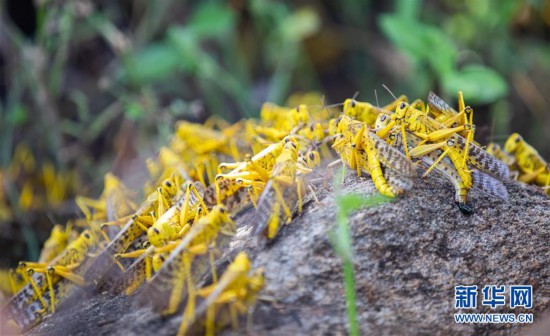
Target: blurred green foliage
(484,48)
(433,55)
(98,85)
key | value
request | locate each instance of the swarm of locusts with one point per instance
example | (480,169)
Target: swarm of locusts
(161,248)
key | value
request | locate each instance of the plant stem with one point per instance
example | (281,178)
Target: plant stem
(349,286)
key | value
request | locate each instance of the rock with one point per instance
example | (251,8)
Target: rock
(408,256)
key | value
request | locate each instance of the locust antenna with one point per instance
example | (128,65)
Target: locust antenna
(334,105)
(387,89)
(376,97)
(492,136)
(50,217)
(323,104)
(342,104)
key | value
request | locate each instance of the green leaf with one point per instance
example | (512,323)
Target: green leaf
(408,8)
(479,84)
(406,35)
(17,115)
(441,51)
(420,42)
(134,110)
(153,63)
(351,202)
(300,25)
(461,28)
(184,41)
(212,20)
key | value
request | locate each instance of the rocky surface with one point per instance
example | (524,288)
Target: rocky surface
(408,256)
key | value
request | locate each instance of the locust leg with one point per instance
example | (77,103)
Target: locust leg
(418,104)
(273,222)
(28,276)
(375,170)
(279,193)
(189,311)
(135,253)
(163,203)
(86,204)
(62,271)
(405,143)
(357,142)
(200,198)
(451,152)
(469,138)
(531,176)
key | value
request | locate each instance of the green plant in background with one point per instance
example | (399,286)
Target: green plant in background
(181,52)
(510,36)
(101,81)
(166,65)
(340,238)
(484,48)
(433,55)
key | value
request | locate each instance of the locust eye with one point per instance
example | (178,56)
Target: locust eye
(86,235)
(161,257)
(168,184)
(222,210)
(353,103)
(517,139)
(402,106)
(311,156)
(383,117)
(156,230)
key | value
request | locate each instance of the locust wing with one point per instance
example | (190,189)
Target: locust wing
(477,156)
(391,158)
(169,281)
(489,185)
(439,106)
(482,160)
